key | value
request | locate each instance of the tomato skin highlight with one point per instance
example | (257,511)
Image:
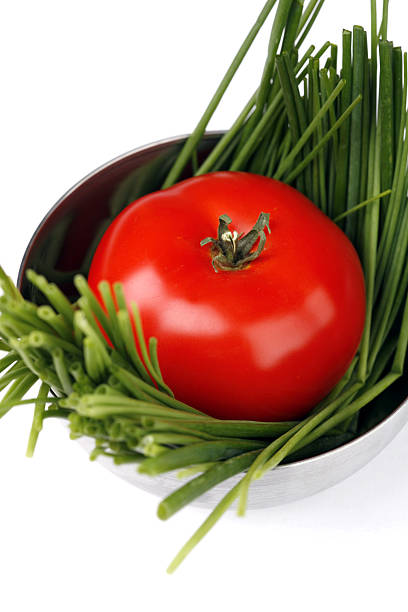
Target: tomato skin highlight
(264,343)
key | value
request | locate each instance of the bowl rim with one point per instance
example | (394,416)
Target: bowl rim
(142,149)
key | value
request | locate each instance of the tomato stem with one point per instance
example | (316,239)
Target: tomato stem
(233,251)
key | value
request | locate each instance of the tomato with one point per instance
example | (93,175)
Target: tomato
(265,340)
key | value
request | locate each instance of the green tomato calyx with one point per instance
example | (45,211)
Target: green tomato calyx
(233,251)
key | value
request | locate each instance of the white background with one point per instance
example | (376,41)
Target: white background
(81,82)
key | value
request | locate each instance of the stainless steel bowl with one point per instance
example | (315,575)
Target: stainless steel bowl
(63,244)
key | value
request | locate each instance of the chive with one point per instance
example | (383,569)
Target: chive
(310,23)
(319,196)
(23,314)
(306,15)
(210,521)
(199,468)
(342,158)
(105,405)
(8,360)
(77,371)
(159,425)
(390,290)
(386,114)
(233,429)
(209,479)
(397,93)
(274,453)
(398,301)
(292,25)
(16,371)
(202,124)
(124,459)
(322,50)
(384,22)
(143,349)
(293,104)
(365,135)
(126,331)
(61,370)
(201,452)
(308,132)
(154,359)
(122,379)
(331,149)
(88,330)
(348,411)
(54,295)
(92,304)
(354,175)
(308,158)
(401,352)
(362,205)
(115,332)
(271,156)
(283,16)
(11,326)
(333,57)
(94,360)
(9,287)
(170,438)
(55,322)
(251,142)
(370,233)
(394,213)
(39,339)
(229,136)
(133,384)
(38,417)
(55,413)
(4,346)
(86,313)
(16,391)
(257,160)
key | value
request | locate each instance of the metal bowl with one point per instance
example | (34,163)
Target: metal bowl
(63,244)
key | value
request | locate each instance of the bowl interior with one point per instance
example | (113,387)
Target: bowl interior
(64,242)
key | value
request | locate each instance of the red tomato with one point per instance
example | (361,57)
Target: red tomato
(265,342)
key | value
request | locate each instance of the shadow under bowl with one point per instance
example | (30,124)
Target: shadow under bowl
(63,245)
